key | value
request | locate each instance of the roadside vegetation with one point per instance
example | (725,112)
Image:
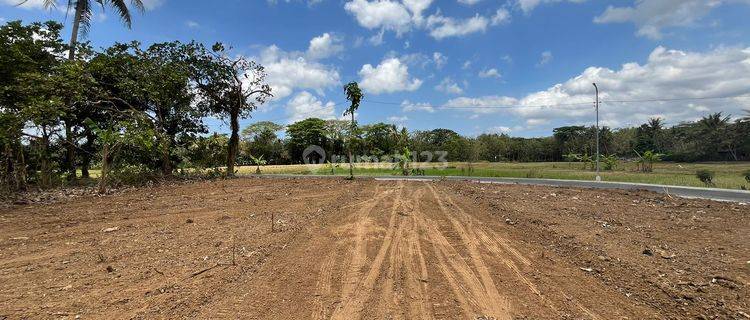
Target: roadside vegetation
(134,114)
(727,175)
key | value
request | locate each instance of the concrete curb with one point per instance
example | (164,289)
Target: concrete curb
(679,191)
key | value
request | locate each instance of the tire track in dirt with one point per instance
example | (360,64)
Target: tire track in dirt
(483,287)
(414,265)
(494,245)
(354,297)
(323,286)
(325,278)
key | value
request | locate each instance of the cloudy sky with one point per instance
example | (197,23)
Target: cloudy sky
(516,66)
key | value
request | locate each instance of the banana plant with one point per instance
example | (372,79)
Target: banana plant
(258,161)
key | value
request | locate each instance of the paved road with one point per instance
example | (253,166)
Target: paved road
(685,192)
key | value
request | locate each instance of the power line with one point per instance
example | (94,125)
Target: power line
(675,99)
(306,113)
(418,105)
(510,106)
(552,105)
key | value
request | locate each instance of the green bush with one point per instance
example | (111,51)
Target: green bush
(747,176)
(705,176)
(610,162)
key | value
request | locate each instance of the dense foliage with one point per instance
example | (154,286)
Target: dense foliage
(126,106)
(129,107)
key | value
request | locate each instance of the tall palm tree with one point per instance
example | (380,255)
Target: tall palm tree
(353,94)
(655,124)
(714,121)
(83,10)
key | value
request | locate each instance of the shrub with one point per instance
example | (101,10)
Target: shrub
(610,162)
(747,176)
(572,157)
(705,176)
(647,160)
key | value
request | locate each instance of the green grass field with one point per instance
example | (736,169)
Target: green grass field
(728,175)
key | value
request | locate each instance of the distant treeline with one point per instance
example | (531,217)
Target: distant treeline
(129,109)
(713,138)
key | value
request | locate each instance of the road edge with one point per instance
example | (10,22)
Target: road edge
(679,191)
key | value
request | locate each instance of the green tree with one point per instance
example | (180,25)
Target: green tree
(649,136)
(260,138)
(303,134)
(353,95)
(380,138)
(125,129)
(231,88)
(29,68)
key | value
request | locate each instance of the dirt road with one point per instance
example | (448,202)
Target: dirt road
(374,250)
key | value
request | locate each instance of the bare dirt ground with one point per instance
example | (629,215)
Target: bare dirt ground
(374,250)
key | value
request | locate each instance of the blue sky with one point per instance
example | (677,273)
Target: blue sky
(519,66)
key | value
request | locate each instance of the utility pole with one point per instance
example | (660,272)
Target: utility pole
(598,177)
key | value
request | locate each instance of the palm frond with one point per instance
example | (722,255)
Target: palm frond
(48,4)
(86,13)
(123,11)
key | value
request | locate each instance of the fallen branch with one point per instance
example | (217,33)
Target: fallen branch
(197,273)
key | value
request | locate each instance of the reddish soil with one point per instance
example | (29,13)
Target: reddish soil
(375,249)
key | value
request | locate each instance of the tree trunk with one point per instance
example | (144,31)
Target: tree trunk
(166,162)
(7,177)
(45,166)
(70,151)
(76,30)
(351,142)
(234,141)
(20,168)
(105,169)
(86,155)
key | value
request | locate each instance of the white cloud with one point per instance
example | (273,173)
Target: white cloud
(439,59)
(529,5)
(324,46)
(290,71)
(500,129)
(377,39)
(469,2)
(507,58)
(444,27)
(466,65)
(402,16)
(407,106)
(391,75)
(398,119)
(545,59)
(449,86)
(412,59)
(650,17)
(192,24)
(668,74)
(481,105)
(490,73)
(305,105)
(152,4)
(386,14)
(502,16)
(416,7)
